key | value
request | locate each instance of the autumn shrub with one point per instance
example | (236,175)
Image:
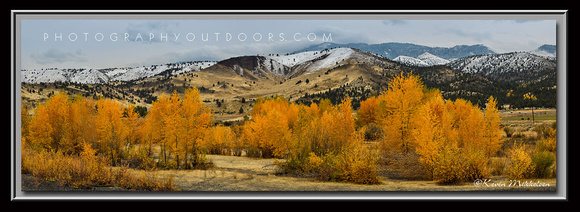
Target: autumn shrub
(476,163)
(143,159)
(548,142)
(143,181)
(543,162)
(268,134)
(359,165)
(448,168)
(218,140)
(544,130)
(373,132)
(520,165)
(508,131)
(316,140)
(498,165)
(81,171)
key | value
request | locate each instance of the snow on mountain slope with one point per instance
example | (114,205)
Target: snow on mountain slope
(432,59)
(410,61)
(94,76)
(501,63)
(284,65)
(333,57)
(522,66)
(425,59)
(314,60)
(48,76)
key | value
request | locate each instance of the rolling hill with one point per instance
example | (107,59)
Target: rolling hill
(230,86)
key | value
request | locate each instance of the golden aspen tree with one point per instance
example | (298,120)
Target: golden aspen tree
(237,144)
(492,135)
(257,106)
(218,140)
(172,127)
(531,98)
(451,140)
(110,129)
(153,126)
(344,123)
(196,119)
(77,126)
(87,111)
(397,111)
(429,133)
(50,126)
(156,123)
(40,131)
(469,121)
(24,122)
(367,111)
(325,105)
(24,140)
(323,134)
(57,107)
(132,124)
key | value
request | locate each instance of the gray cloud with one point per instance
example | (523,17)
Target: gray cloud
(477,36)
(394,22)
(155,27)
(53,55)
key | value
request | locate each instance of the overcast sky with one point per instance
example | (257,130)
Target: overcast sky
(122,43)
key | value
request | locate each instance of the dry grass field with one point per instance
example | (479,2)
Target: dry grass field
(232,173)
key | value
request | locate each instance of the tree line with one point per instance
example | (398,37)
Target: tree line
(454,139)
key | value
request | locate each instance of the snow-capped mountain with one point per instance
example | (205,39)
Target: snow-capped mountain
(513,66)
(285,65)
(95,76)
(392,50)
(411,61)
(425,59)
(545,50)
(315,60)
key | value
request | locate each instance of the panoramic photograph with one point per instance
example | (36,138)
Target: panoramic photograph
(230,103)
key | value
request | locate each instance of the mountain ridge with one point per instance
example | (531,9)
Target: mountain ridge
(303,77)
(391,50)
(519,67)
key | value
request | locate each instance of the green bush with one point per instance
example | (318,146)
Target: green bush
(543,162)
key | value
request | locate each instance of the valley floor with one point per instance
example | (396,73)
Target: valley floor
(234,173)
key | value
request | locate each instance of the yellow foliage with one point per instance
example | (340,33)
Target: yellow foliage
(367,112)
(520,163)
(110,130)
(492,131)
(397,111)
(548,143)
(218,140)
(454,139)
(177,124)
